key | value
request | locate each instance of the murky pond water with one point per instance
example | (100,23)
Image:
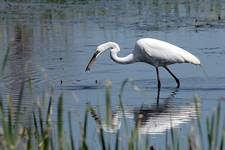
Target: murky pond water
(51,45)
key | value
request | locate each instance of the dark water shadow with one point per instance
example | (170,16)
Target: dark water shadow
(80,87)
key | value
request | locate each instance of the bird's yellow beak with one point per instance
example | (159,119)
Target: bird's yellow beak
(92,61)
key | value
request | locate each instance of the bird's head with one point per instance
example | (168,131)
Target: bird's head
(100,49)
(93,59)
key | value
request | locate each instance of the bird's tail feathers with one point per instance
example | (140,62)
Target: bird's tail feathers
(190,58)
(195,61)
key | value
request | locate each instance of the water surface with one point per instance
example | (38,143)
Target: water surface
(50,44)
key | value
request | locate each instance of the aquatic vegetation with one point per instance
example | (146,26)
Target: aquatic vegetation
(41,130)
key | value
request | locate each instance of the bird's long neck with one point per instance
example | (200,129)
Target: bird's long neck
(121,60)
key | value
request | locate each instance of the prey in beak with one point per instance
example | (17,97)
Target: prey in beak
(92,61)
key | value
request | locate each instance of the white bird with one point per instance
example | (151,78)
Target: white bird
(151,51)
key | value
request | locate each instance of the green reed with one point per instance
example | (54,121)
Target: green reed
(39,133)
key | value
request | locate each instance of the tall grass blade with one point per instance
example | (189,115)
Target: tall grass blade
(5,59)
(131,142)
(52,142)
(36,131)
(136,131)
(198,113)
(121,103)
(46,139)
(84,143)
(1,106)
(60,122)
(189,143)
(4,124)
(167,141)
(212,133)
(147,142)
(222,138)
(41,120)
(29,139)
(48,115)
(108,103)
(117,140)
(99,125)
(108,147)
(122,87)
(10,120)
(71,132)
(102,139)
(18,110)
(217,125)
(47,129)
(134,137)
(172,135)
(208,132)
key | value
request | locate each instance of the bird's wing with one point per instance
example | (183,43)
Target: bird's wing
(161,53)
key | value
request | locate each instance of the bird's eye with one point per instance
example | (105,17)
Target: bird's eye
(97,51)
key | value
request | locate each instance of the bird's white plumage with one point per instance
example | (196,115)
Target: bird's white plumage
(160,53)
(152,51)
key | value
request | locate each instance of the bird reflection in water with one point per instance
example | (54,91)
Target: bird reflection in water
(157,118)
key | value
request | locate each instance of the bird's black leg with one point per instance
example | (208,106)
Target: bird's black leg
(177,80)
(157,71)
(159,84)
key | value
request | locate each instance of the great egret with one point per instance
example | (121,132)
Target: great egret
(151,51)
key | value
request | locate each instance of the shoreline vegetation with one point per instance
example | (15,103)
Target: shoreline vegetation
(43,133)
